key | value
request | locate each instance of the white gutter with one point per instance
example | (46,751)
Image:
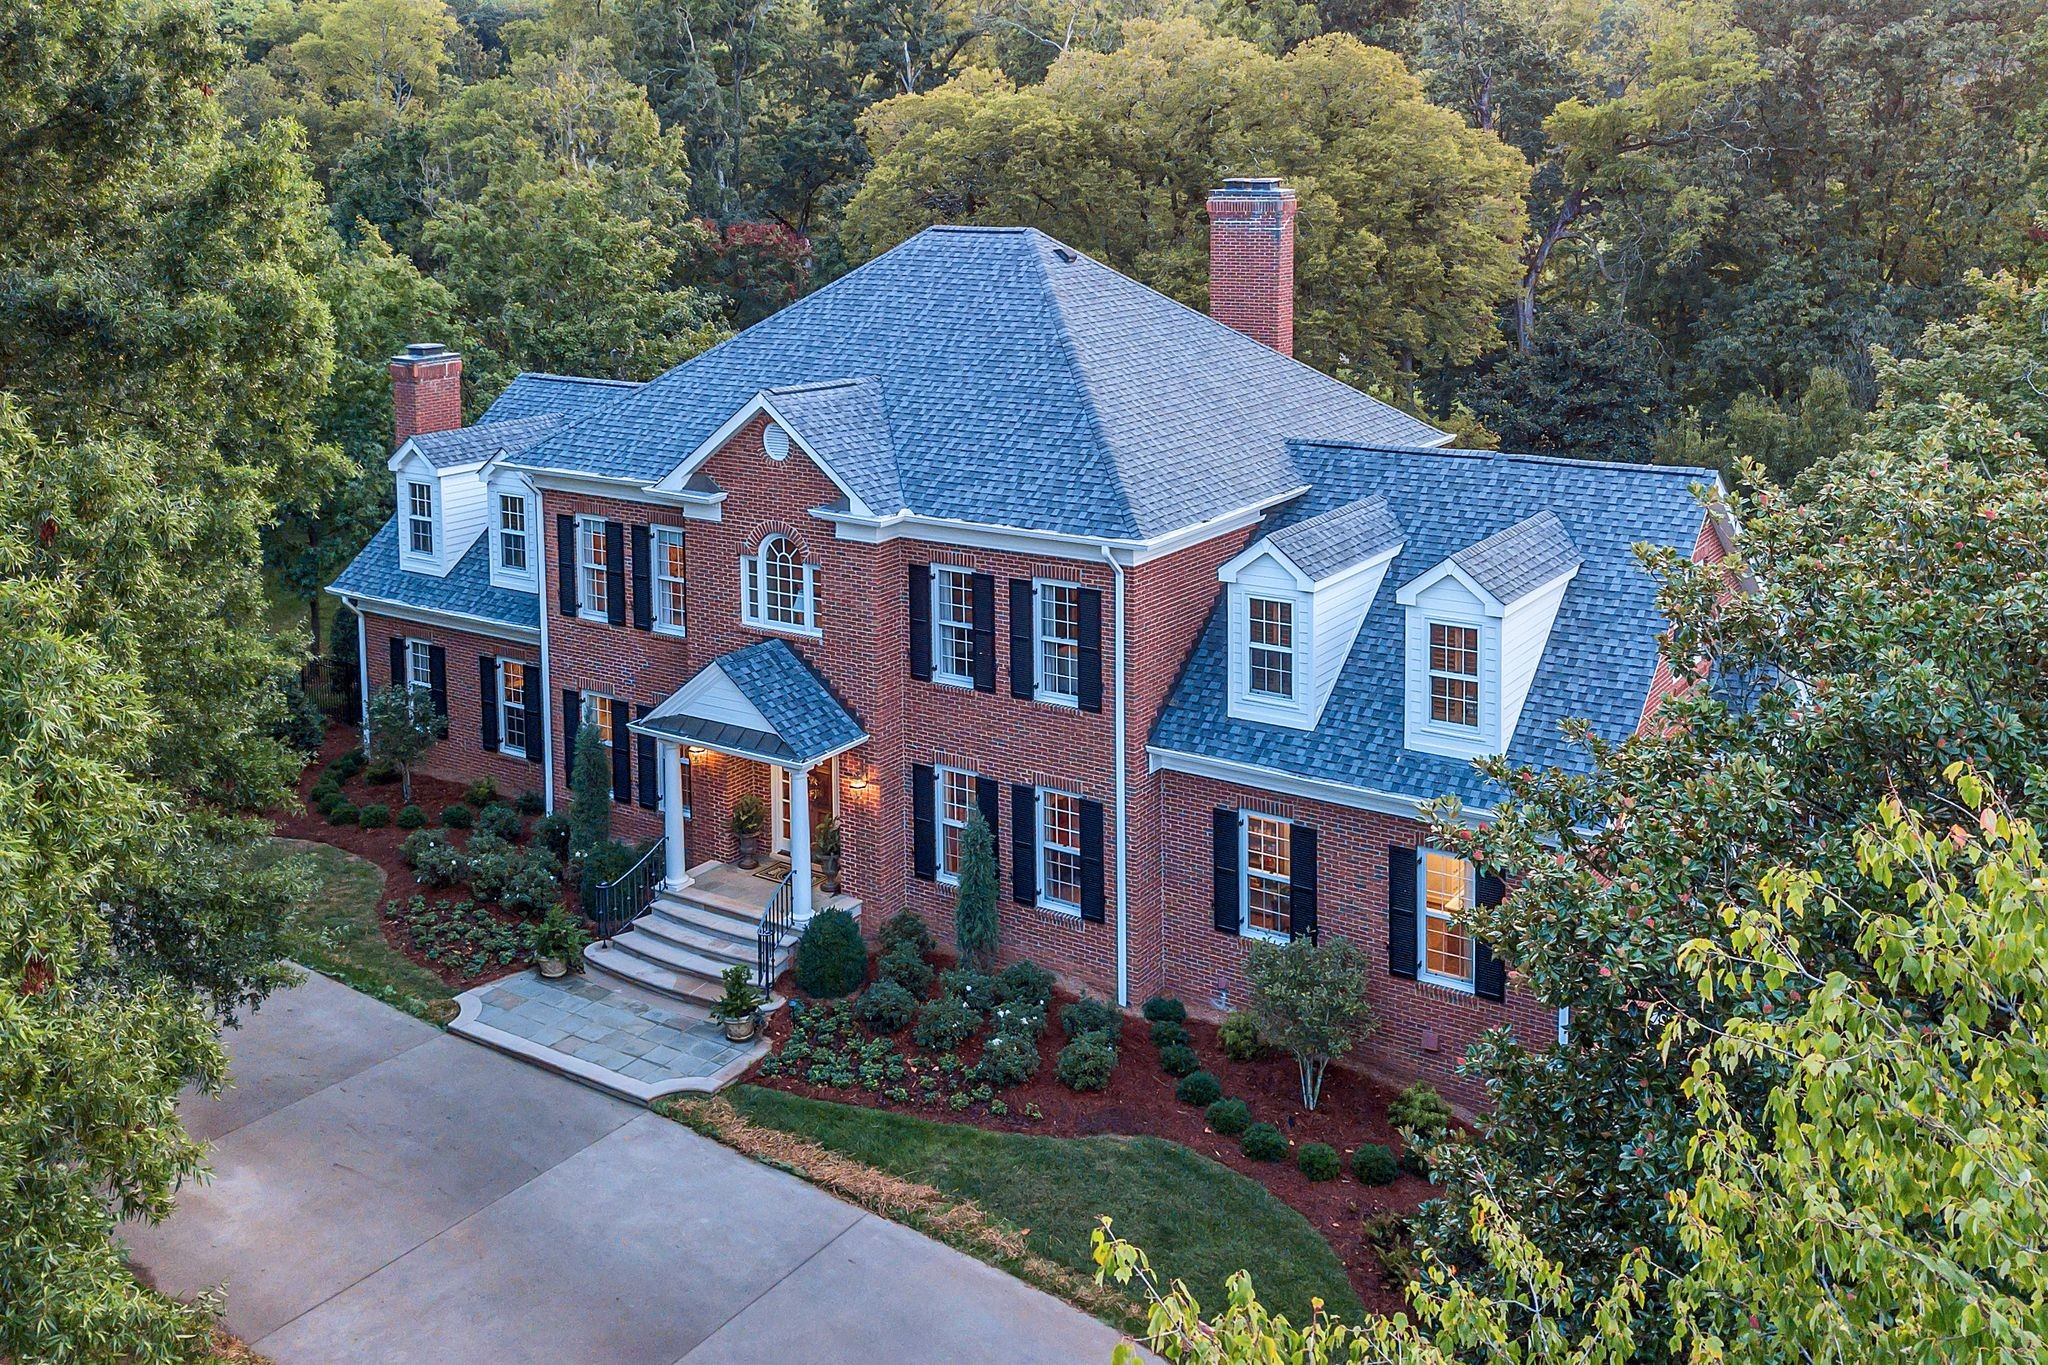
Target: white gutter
(1123,922)
(547,690)
(363,674)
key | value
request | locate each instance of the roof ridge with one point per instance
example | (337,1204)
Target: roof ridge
(576,379)
(1054,298)
(1519,456)
(817,385)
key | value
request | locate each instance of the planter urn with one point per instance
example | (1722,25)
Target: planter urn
(553,968)
(741,1029)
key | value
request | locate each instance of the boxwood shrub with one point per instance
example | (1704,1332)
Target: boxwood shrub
(1164,1009)
(458,816)
(1318,1161)
(1168,1033)
(1264,1142)
(1198,1088)
(1179,1059)
(1027,981)
(1238,1036)
(1229,1117)
(905,928)
(976,990)
(1086,1063)
(500,819)
(375,815)
(342,813)
(830,959)
(411,817)
(1088,1015)
(1374,1164)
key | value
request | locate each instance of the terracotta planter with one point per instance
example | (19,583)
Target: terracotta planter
(740,1030)
(553,968)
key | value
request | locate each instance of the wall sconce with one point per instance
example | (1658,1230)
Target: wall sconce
(859,782)
(697,751)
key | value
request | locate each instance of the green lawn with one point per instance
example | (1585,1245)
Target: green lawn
(1197,1220)
(336,932)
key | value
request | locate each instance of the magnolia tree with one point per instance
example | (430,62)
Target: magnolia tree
(1310,999)
(403,726)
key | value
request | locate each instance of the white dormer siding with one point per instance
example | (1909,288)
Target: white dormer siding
(1451,601)
(512,513)
(1525,632)
(459,511)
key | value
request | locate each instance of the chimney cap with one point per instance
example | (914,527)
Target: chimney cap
(1254,184)
(423,350)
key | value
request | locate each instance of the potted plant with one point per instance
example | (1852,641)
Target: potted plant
(749,818)
(825,853)
(738,1007)
(557,943)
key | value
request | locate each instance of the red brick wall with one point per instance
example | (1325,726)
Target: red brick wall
(1423,1029)
(461,757)
(426,395)
(1707,548)
(1251,264)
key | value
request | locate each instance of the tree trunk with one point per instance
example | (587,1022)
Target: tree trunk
(1538,260)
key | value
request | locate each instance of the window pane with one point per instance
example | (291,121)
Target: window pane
(1059,838)
(1454,675)
(1059,640)
(419,663)
(1268,862)
(512,532)
(784,586)
(668,578)
(420,517)
(597,711)
(595,555)
(1446,886)
(1271,635)
(956,800)
(512,705)
(953,624)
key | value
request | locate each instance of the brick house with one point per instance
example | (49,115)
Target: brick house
(986,526)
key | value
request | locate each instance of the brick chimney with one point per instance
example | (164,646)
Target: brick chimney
(426,391)
(1251,259)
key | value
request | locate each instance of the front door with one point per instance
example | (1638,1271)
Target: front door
(822,788)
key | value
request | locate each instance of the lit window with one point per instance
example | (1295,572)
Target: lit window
(597,710)
(512,706)
(780,590)
(512,532)
(953,626)
(956,803)
(1271,624)
(1268,871)
(593,559)
(1447,884)
(1454,675)
(1059,642)
(419,664)
(1059,850)
(420,517)
(668,579)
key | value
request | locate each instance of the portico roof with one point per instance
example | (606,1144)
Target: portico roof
(762,702)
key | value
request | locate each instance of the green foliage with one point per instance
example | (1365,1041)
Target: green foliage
(1087,1062)
(887,1007)
(559,937)
(1420,1110)
(906,968)
(1319,1161)
(1024,981)
(375,815)
(1089,1015)
(1310,999)
(411,817)
(342,812)
(1198,1088)
(481,792)
(740,999)
(529,803)
(1165,1009)
(825,1047)
(1264,1142)
(1373,1164)
(974,989)
(906,929)
(533,885)
(457,816)
(1238,1036)
(1178,1059)
(1009,1059)
(403,726)
(1169,1033)
(945,1023)
(434,861)
(1228,1117)
(590,793)
(551,832)
(830,959)
(1026,1017)
(1588,386)
(977,925)
(347,764)
(500,819)
(606,863)
(460,938)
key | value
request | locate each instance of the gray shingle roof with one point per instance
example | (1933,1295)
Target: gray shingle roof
(809,722)
(846,423)
(1513,563)
(1022,384)
(473,445)
(1332,541)
(1602,651)
(466,591)
(533,393)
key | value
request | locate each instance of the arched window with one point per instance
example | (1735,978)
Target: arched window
(778,589)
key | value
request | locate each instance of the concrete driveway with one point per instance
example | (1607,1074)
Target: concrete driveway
(385,1192)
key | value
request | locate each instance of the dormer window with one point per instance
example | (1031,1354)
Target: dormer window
(512,532)
(1270,641)
(778,589)
(419,516)
(1454,675)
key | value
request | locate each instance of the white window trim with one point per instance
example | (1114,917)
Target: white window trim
(592,702)
(1245,928)
(1040,845)
(1469,984)
(942,581)
(432,553)
(1072,700)
(419,663)
(500,571)
(1292,696)
(1435,737)
(525,707)
(1295,712)
(1477,678)
(754,593)
(657,575)
(941,824)
(592,528)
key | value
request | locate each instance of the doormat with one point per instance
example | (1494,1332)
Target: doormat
(774,870)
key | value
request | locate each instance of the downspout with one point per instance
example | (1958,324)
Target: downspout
(1123,924)
(547,688)
(362,671)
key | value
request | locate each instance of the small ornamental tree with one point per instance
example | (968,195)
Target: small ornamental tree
(975,921)
(1310,999)
(590,793)
(403,726)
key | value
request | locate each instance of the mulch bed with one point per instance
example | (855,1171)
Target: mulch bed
(381,846)
(1140,1102)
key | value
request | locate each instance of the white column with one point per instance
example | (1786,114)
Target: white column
(676,863)
(800,841)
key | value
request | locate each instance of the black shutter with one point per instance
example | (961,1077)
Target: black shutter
(1088,660)
(536,717)
(983,591)
(572,717)
(921,622)
(487,684)
(615,573)
(650,770)
(437,679)
(1024,844)
(1091,861)
(1229,916)
(1401,943)
(643,579)
(1489,973)
(1023,659)
(988,794)
(565,563)
(924,844)
(1301,882)
(622,754)
(398,676)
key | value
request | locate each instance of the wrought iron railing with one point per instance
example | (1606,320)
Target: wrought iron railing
(778,925)
(617,903)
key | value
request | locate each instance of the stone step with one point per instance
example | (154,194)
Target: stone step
(688,935)
(688,988)
(678,958)
(701,920)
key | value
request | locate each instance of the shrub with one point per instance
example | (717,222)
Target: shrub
(500,819)
(1169,1033)
(461,938)
(590,791)
(1319,1161)
(1264,1142)
(532,887)
(1088,1015)
(1229,1117)
(977,924)
(411,817)
(346,765)
(1178,1059)
(945,1023)
(434,861)
(324,801)
(375,815)
(605,863)
(1198,1088)
(458,816)
(1373,1164)
(341,812)
(381,772)
(906,929)
(903,966)
(530,803)
(552,833)
(1310,998)
(976,990)
(1164,1009)
(830,957)
(1239,1037)
(1025,980)
(1086,1063)
(886,1007)
(1025,1017)
(481,792)
(1009,1059)
(325,787)
(1420,1110)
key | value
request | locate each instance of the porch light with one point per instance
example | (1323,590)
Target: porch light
(859,782)
(697,751)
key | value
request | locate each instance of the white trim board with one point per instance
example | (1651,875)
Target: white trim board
(1289,784)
